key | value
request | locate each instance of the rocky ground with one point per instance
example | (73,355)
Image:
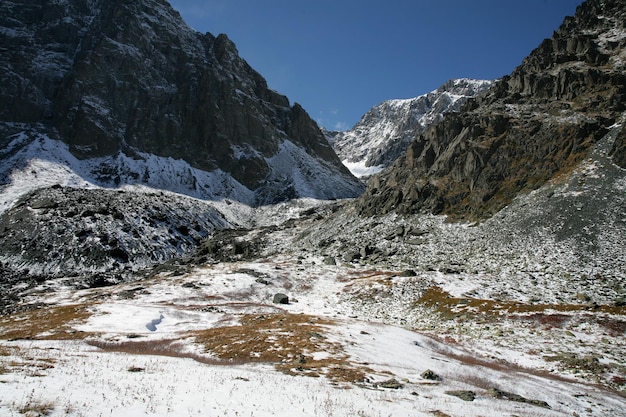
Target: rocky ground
(535,292)
(279,327)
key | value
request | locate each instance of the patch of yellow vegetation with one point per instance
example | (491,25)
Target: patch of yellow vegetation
(49,323)
(441,301)
(294,343)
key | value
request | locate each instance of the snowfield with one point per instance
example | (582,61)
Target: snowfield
(138,350)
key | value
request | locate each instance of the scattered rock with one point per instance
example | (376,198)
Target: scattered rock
(463,394)
(330,260)
(390,384)
(281,298)
(366,251)
(430,375)
(503,395)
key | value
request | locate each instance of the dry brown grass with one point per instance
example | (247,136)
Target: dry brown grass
(49,322)
(365,274)
(440,300)
(30,361)
(166,347)
(289,341)
(36,408)
(294,343)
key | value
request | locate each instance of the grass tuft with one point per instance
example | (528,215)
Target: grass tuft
(36,408)
(450,307)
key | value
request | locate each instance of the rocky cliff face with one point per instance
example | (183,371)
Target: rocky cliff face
(532,126)
(111,78)
(387,130)
(107,104)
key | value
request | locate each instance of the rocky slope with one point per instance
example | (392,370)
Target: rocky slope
(387,130)
(98,95)
(125,80)
(532,126)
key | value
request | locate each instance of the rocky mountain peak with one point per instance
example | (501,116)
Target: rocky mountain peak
(387,129)
(531,126)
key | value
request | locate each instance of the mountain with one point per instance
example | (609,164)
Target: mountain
(121,84)
(531,127)
(277,309)
(97,95)
(385,131)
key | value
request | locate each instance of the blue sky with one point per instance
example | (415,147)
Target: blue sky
(338,58)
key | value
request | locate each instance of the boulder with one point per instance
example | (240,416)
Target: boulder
(463,394)
(281,298)
(430,375)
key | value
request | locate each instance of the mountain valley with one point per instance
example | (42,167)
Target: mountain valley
(205,252)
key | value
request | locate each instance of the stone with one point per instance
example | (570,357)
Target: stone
(390,384)
(330,260)
(430,375)
(463,394)
(182,94)
(280,298)
(468,165)
(500,394)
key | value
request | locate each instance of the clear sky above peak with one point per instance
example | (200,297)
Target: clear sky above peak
(339,58)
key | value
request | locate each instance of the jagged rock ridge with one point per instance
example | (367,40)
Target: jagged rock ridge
(111,78)
(531,126)
(387,130)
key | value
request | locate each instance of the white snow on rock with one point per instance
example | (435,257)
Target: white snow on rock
(387,129)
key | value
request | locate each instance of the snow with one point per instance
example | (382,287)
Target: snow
(41,162)
(83,379)
(360,170)
(308,176)
(136,351)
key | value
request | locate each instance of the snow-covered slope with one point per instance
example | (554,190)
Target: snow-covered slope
(210,341)
(32,160)
(386,130)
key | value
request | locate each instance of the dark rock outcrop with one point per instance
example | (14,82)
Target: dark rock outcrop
(129,77)
(63,231)
(618,152)
(531,126)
